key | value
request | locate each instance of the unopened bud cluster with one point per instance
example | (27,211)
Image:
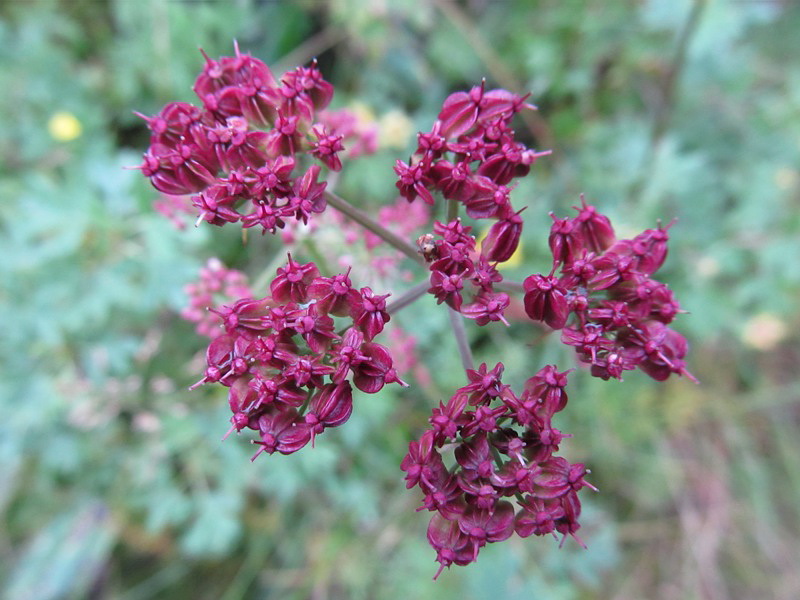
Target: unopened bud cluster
(239,153)
(253,153)
(618,314)
(469,158)
(288,371)
(504,447)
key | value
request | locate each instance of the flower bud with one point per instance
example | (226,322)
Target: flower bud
(503,239)
(332,405)
(545,300)
(292,281)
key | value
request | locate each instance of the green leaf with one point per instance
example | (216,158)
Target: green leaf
(66,555)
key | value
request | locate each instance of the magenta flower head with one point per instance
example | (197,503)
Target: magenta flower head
(173,123)
(547,390)
(649,249)
(307,195)
(487,307)
(413,180)
(327,148)
(331,406)
(483,525)
(595,229)
(371,374)
(503,238)
(565,241)
(546,300)
(452,545)
(282,432)
(423,464)
(460,111)
(180,170)
(447,288)
(292,282)
(334,295)
(370,313)
(232,70)
(308,81)
(257,151)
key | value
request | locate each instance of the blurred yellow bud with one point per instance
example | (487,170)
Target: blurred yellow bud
(64,126)
(362,112)
(395,129)
(707,266)
(786,178)
(763,331)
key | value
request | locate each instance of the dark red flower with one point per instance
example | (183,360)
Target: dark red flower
(292,281)
(487,307)
(335,295)
(452,545)
(373,373)
(283,432)
(423,463)
(546,300)
(595,229)
(331,406)
(460,111)
(370,315)
(413,180)
(503,238)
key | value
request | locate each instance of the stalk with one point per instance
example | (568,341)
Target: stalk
(408,297)
(457,321)
(363,219)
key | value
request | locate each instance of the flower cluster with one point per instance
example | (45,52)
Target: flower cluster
(253,154)
(470,154)
(288,371)
(238,153)
(470,157)
(504,447)
(452,262)
(620,314)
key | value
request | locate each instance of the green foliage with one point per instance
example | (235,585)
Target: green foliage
(113,481)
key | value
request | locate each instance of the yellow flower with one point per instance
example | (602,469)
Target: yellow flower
(64,126)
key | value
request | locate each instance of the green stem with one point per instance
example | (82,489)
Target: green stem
(666,106)
(391,238)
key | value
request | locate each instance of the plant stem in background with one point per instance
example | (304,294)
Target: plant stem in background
(391,238)
(670,82)
(408,297)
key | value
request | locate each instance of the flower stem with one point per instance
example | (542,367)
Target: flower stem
(408,297)
(457,321)
(391,238)
(510,287)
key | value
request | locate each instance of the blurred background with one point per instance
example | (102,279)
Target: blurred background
(113,479)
